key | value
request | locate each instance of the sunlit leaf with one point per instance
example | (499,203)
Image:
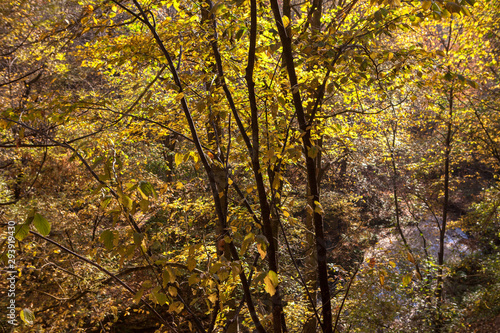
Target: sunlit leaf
(27,316)
(21,231)
(41,224)
(286,21)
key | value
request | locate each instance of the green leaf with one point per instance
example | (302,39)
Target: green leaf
(30,217)
(273,277)
(105,202)
(313,151)
(246,243)
(21,231)
(126,201)
(453,7)
(159,298)
(138,238)
(147,190)
(41,224)
(107,237)
(165,278)
(465,11)
(168,276)
(193,279)
(138,296)
(27,316)
(191,263)
(144,204)
(471,83)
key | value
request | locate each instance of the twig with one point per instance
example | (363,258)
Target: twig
(123,284)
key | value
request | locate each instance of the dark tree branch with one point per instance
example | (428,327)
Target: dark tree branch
(305,128)
(104,270)
(21,77)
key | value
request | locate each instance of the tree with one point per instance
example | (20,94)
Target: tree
(244,96)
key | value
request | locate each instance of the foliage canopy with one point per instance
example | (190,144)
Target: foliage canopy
(229,166)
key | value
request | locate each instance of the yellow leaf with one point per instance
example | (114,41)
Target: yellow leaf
(126,201)
(191,263)
(410,258)
(168,276)
(269,286)
(178,158)
(176,307)
(176,6)
(179,96)
(212,298)
(172,291)
(286,21)
(193,279)
(246,243)
(309,209)
(318,208)
(276,183)
(262,250)
(406,280)
(381,279)
(426,5)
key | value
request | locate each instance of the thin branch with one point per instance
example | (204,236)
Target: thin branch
(302,280)
(344,299)
(20,78)
(120,282)
(138,99)
(84,162)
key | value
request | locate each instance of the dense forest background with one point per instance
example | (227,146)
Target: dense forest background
(250,166)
